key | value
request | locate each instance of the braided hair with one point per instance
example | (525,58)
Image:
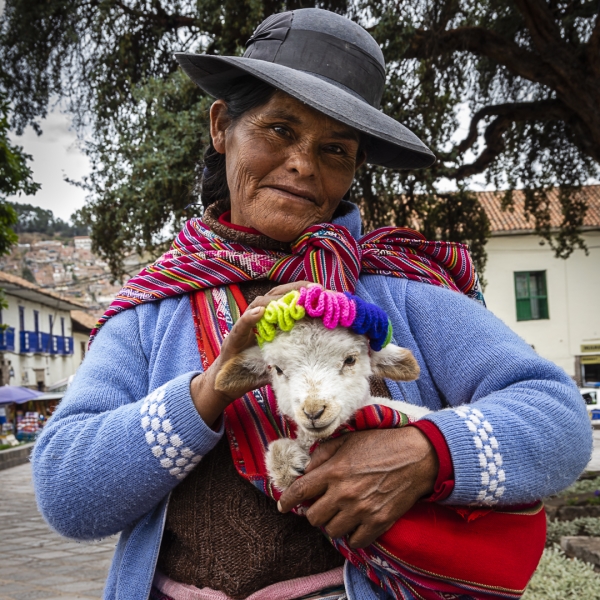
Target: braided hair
(244,94)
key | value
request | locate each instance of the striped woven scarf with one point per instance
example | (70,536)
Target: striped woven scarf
(325,254)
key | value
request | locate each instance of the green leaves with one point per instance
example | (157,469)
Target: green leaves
(15,178)
(144,176)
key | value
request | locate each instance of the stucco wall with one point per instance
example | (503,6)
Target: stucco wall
(56,367)
(573,288)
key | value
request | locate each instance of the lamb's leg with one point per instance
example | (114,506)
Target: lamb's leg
(286,460)
(408,409)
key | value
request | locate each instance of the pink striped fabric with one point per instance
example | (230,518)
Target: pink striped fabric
(325,254)
(285,590)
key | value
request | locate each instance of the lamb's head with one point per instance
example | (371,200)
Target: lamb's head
(319,374)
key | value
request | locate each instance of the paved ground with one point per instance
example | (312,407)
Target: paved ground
(595,462)
(35,562)
(38,564)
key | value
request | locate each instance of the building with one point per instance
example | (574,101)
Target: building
(82,242)
(553,304)
(83,323)
(37,345)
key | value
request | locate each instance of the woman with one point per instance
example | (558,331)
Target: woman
(137,445)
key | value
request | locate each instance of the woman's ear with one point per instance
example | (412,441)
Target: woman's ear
(360,160)
(219,123)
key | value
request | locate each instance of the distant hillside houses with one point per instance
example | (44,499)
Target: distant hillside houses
(67,266)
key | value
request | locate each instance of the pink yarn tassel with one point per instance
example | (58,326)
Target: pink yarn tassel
(333,307)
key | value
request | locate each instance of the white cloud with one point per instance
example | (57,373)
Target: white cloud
(55,155)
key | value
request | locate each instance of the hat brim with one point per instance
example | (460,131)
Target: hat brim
(391,144)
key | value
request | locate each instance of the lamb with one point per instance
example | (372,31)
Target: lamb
(318,349)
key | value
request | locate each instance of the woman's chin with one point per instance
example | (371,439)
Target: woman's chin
(286,229)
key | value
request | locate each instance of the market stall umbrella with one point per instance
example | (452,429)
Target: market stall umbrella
(19,395)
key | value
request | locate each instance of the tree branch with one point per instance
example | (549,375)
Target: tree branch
(593,47)
(483,42)
(506,114)
(165,20)
(541,23)
(547,38)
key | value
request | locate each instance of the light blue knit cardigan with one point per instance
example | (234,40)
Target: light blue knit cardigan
(127,432)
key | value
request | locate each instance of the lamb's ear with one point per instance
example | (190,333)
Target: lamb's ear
(395,363)
(246,371)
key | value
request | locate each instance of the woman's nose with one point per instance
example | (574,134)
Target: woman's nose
(303,161)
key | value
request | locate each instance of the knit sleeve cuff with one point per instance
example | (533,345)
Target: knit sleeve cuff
(444,484)
(174,431)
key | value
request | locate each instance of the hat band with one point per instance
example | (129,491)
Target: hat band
(322,54)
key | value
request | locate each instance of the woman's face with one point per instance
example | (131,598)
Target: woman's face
(288,166)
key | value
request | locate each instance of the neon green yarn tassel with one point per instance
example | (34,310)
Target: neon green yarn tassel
(388,337)
(282,313)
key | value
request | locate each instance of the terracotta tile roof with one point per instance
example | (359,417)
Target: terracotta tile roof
(505,221)
(10,282)
(85,320)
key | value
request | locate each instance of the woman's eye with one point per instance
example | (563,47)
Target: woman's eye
(279,371)
(335,150)
(349,361)
(281,130)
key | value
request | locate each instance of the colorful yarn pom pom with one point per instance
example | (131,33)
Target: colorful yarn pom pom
(282,313)
(333,308)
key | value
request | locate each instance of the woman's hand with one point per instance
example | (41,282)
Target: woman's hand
(209,402)
(367,480)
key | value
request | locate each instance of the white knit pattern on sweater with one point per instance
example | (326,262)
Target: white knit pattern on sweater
(165,444)
(488,449)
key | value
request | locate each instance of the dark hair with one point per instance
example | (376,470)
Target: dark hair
(246,93)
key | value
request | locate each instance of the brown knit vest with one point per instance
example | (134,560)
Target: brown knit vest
(223,533)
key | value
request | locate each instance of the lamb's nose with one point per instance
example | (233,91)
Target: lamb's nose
(313,416)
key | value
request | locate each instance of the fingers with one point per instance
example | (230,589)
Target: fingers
(282,290)
(324,452)
(279,291)
(242,335)
(366,534)
(303,489)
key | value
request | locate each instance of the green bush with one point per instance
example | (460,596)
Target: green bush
(561,578)
(583,486)
(581,526)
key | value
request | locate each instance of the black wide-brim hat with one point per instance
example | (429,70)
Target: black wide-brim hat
(327,62)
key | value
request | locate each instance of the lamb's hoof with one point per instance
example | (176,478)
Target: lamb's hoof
(286,460)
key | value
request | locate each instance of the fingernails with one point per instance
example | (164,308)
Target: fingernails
(256,310)
(279,506)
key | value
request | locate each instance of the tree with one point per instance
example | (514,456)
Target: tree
(15,178)
(33,219)
(524,71)
(527,75)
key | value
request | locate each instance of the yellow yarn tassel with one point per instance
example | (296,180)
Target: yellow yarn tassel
(282,313)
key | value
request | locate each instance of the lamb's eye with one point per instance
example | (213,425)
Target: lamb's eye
(350,360)
(279,371)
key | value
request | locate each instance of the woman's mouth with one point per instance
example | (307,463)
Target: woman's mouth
(293,193)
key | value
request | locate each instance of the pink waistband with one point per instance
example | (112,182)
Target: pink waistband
(285,590)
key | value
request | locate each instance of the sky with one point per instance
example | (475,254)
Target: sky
(55,155)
